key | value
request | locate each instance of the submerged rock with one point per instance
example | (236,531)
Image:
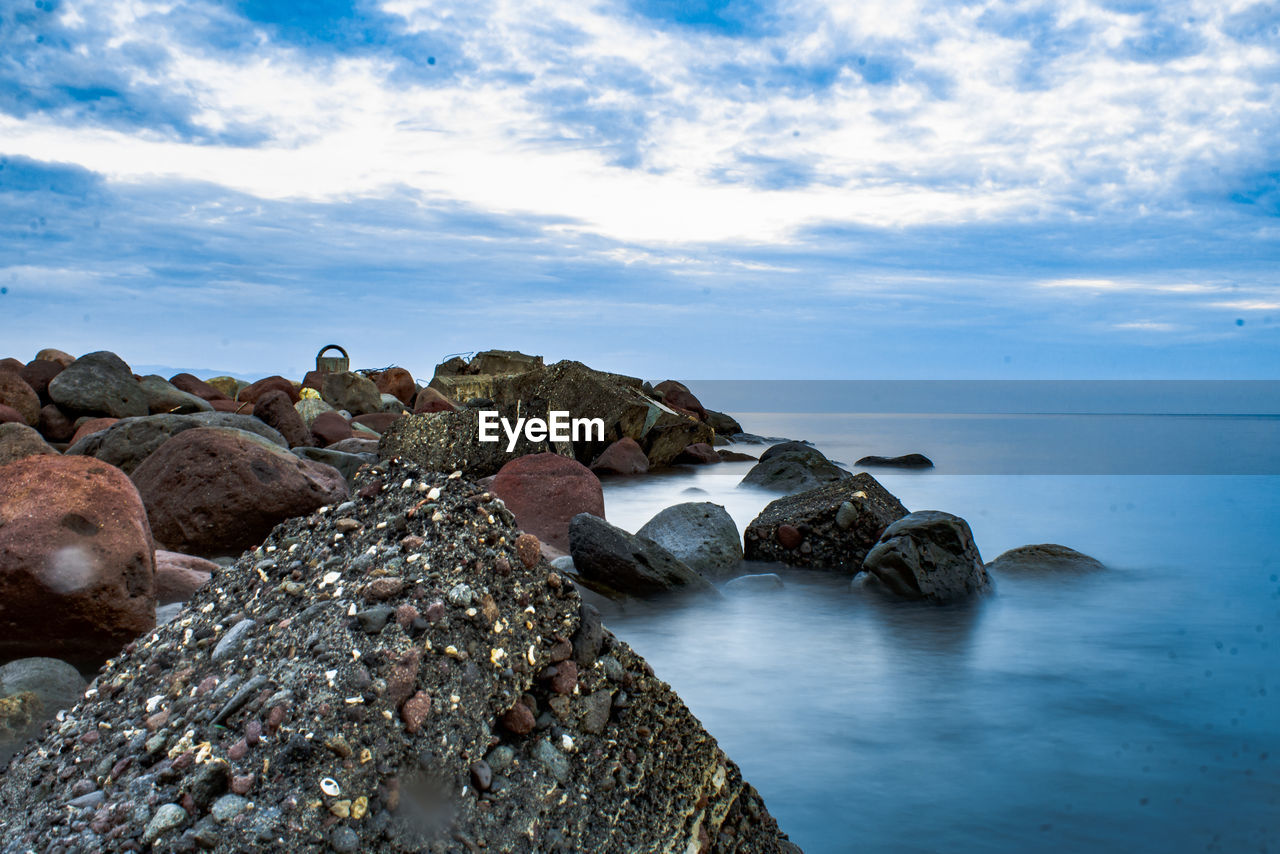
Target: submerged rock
(700,534)
(906,461)
(1044,557)
(32,691)
(478,723)
(624,456)
(794,467)
(614,563)
(928,555)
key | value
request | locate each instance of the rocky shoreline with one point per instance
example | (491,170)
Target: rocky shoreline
(333,620)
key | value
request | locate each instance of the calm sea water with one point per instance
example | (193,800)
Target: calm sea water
(1136,710)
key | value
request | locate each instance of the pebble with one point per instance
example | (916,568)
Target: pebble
(374,620)
(528,549)
(500,758)
(414,711)
(788,536)
(556,763)
(459,595)
(344,840)
(846,515)
(481,775)
(519,720)
(232,641)
(92,799)
(166,818)
(228,807)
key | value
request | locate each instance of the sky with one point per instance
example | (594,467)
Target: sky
(887,189)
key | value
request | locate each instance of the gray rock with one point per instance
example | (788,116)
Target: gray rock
(556,763)
(500,758)
(351,391)
(344,840)
(347,464)
(356,445)
(595,709)
(230,644)
(764,582)
(128,442)
(1042,558)
(163,396)
(18,441)
(928,555)
(228,807)
(92,799)
(564,563)
(700,534)
(166,819)
(166,613)
(310,407)
(391,403)
(37,689)
(374,620)
(99,383)
(615,563)
(724,425)
(793,467)
(906,461)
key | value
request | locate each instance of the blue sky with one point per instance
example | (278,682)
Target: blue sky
(742,189)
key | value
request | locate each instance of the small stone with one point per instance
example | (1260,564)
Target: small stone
(489,609)
(359,807)
(435,611)
(166,818)
(459,595)
(528,549)
(519,720)
(414,711)
(565,678)
(238,751)
(373,620)
(383,588)
(556,763)
(846,515)
(788,536)
(481,775)
(500,758)
(232,641)
(595,711)
(411,543)
(228,807)
(344,840)
(339,746)
(406,615)
(346,526)
(342,808)
(502,566)
(253,732)
(242,784)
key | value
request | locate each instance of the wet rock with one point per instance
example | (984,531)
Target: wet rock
(17,395)
(1044,558)
(928,555)
(624,456)
(724,425)
(352,392)
(32,691)
(615,563)
(702,535)
(545,491)
(765,582)
(735,457)
(700,454)
(18,441)
(830,527)
(99,384)
(906,461)
(77,578)
(178,576)
(793,467)
(275,408)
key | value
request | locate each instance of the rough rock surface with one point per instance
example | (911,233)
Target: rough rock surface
(830,527)
(351,391)
(9,415)
(255,390)
(53,354)
(275,408)
(399,382)
(724,425)
(699,454)
(624,456)
(906,461)
(378,422)
(311,408)
(472,703)
(178,576)
(614,563)
(38,373)
(347,463)
(215,491)
(163,396)
(330,427)
(99,384)
(17,441)
(448,441)
(793,467)
(430,400)
(55,425)
(194,385)
(545,491)
(700,534)
(1044,557)
(18,395)
(928,555)
(86,426)
(77,563)
(127,442)
(677,396)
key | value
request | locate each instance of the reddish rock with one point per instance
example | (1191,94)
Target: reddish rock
(789,537)
(55,425)
(276,410)
(178,576)
(241,785)
(225,404)
(403,678)
(330,427)
(17,395)
(253,391)
(381,589)
(624,456)
(52,354)
(194,385)
(77,565)
(699,453)
(378,422)
(566,677)
(415,711)
(734,456)
(430,400)
(10,415)
(212,491)
(314,380)
(11,364)
(677,396)
(399,382)
(90,426)
(37,374)
(545,491)
(528,549)
(519,720)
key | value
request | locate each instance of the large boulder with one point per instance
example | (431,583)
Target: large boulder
(127,442)
(38,373)
(793,467)
(614,563)
(828,527)
(398,382)
(677,396)
(255,390)
(9,415)
(77,563)
(928,555)
(217,491)
(276,409)
(179,576)
(545,491)
(428,726)
(378,422)
(86,426)
(724,425)
(329,428)
(32,691)
(430,400)
(194,385)
(701,535)
(18,441)
(1044,558)
(164,396)
(624,456)
(351,391)
(99,384)
(310,408)
(231,387)
(19,396)
(449,441)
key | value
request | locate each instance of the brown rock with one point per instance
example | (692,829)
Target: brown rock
(214,491)
(403,678)
(253,391)
(16,394)
(38,373)
(18,441)
(528,549)
(699,453)
(9,415)
(545,491)
(11,364)
(178,576)
(430,400)
(566,677)
(276,410)
(227,405)
(314,380)
(415,711)
(194,385)
(77,566)
(52,354)
(90,426)
(624,456)
(55,425)
(677,396)
(399,382)
(383,588)
(519,720)
(330,427)
(378,422)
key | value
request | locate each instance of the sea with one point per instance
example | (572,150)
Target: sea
(1136,709)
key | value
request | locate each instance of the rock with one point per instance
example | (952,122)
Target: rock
(764,582)
(89,426)
(252,392)
(309,408)
(700,454)
(231,387)
(398,382)
(624,456)
(32,691)
(55,425)
(724,425)
(430,400)
(232,643)
(38,373)
(1045,557)
(545,491)
(198,387)
(448,441)
(906,461)
(231,406)
(52,354)
(391,403)
(17,395)
(330,427)
(346,464)
(793,467)
(378,422)
(735,457)
(168,817)
(702,535)
(808,529)
(178,576)
(9,415)
(928,555)
(355,446)
(275,408)
(18,441)
(555,762)
(163,396)
(677,396)
(217,491)
(614,563)
(228,807)
(352,392)
(127,442)
(99,384)
(77,566)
